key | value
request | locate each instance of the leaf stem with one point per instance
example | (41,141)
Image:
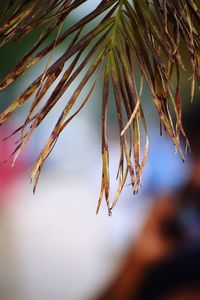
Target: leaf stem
(117,20)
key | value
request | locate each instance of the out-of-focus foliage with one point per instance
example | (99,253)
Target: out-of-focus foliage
(149,36)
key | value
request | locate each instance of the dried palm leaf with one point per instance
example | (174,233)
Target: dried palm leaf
(141,33)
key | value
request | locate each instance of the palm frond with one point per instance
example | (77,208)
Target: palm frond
(142,34)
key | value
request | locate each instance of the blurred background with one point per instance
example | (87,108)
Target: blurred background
(52,244)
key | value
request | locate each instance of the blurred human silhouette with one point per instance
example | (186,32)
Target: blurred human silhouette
(164,261)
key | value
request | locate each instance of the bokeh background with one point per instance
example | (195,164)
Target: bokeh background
(52,244)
